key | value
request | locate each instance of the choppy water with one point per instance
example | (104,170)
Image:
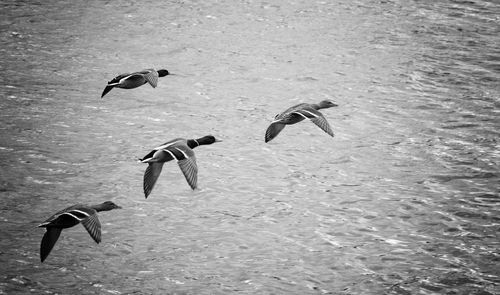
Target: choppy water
(404,199)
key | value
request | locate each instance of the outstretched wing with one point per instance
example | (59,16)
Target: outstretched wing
(187,162)
(150,177)
(151,76)
(289,110)
(164,147)
(93,226)
(316,117)
(273,130)
(48,241)
(118,78)
(106,90)
(190,171)
(67,217)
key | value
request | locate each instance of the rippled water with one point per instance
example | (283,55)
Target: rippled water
(403,200)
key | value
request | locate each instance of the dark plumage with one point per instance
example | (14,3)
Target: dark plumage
(180,150)
(298,113)
(134,80)
(69,217)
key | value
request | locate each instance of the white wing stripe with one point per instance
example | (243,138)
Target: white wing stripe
(314,115)
(79,211)
(123,79)
(79,219)
(172,154)
(300,114)
(185,155)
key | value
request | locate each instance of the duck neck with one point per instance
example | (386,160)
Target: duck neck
(101,207)
(321,105)
(192,143)
(316,106)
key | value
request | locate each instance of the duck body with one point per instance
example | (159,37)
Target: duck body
(69,217)
(178,149)
(134,80)
(298,113)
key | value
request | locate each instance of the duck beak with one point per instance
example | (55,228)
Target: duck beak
(218,140)
(118,207)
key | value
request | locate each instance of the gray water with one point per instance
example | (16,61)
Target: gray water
(403,200)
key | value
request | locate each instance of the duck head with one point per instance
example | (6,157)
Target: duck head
(327,104)
(106,206)
(209,139)
(163,73)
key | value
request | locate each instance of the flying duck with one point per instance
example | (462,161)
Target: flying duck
(178,149)
(298,113)
(134,80)
(69,217)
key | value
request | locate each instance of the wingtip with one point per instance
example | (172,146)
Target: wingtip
(106,90)
(268,138)
(43,256)
(49,239)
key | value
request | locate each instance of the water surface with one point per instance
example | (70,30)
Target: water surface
(403,200)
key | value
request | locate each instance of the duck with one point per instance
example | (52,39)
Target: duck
(136,79)
(298,113)
(178,149)
(69,217)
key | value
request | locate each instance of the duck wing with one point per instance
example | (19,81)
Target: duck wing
(273,130)
(187,163)
(288,111)
(93,226)
(48,241)
(151,76)
(281,119)
(106,90)
(150,176)
(56,215)
(316,117)
(118,78)
(190,170)
(171,142)
(67,217)
(164,146)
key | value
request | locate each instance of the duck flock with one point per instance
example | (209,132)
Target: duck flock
(179,149)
